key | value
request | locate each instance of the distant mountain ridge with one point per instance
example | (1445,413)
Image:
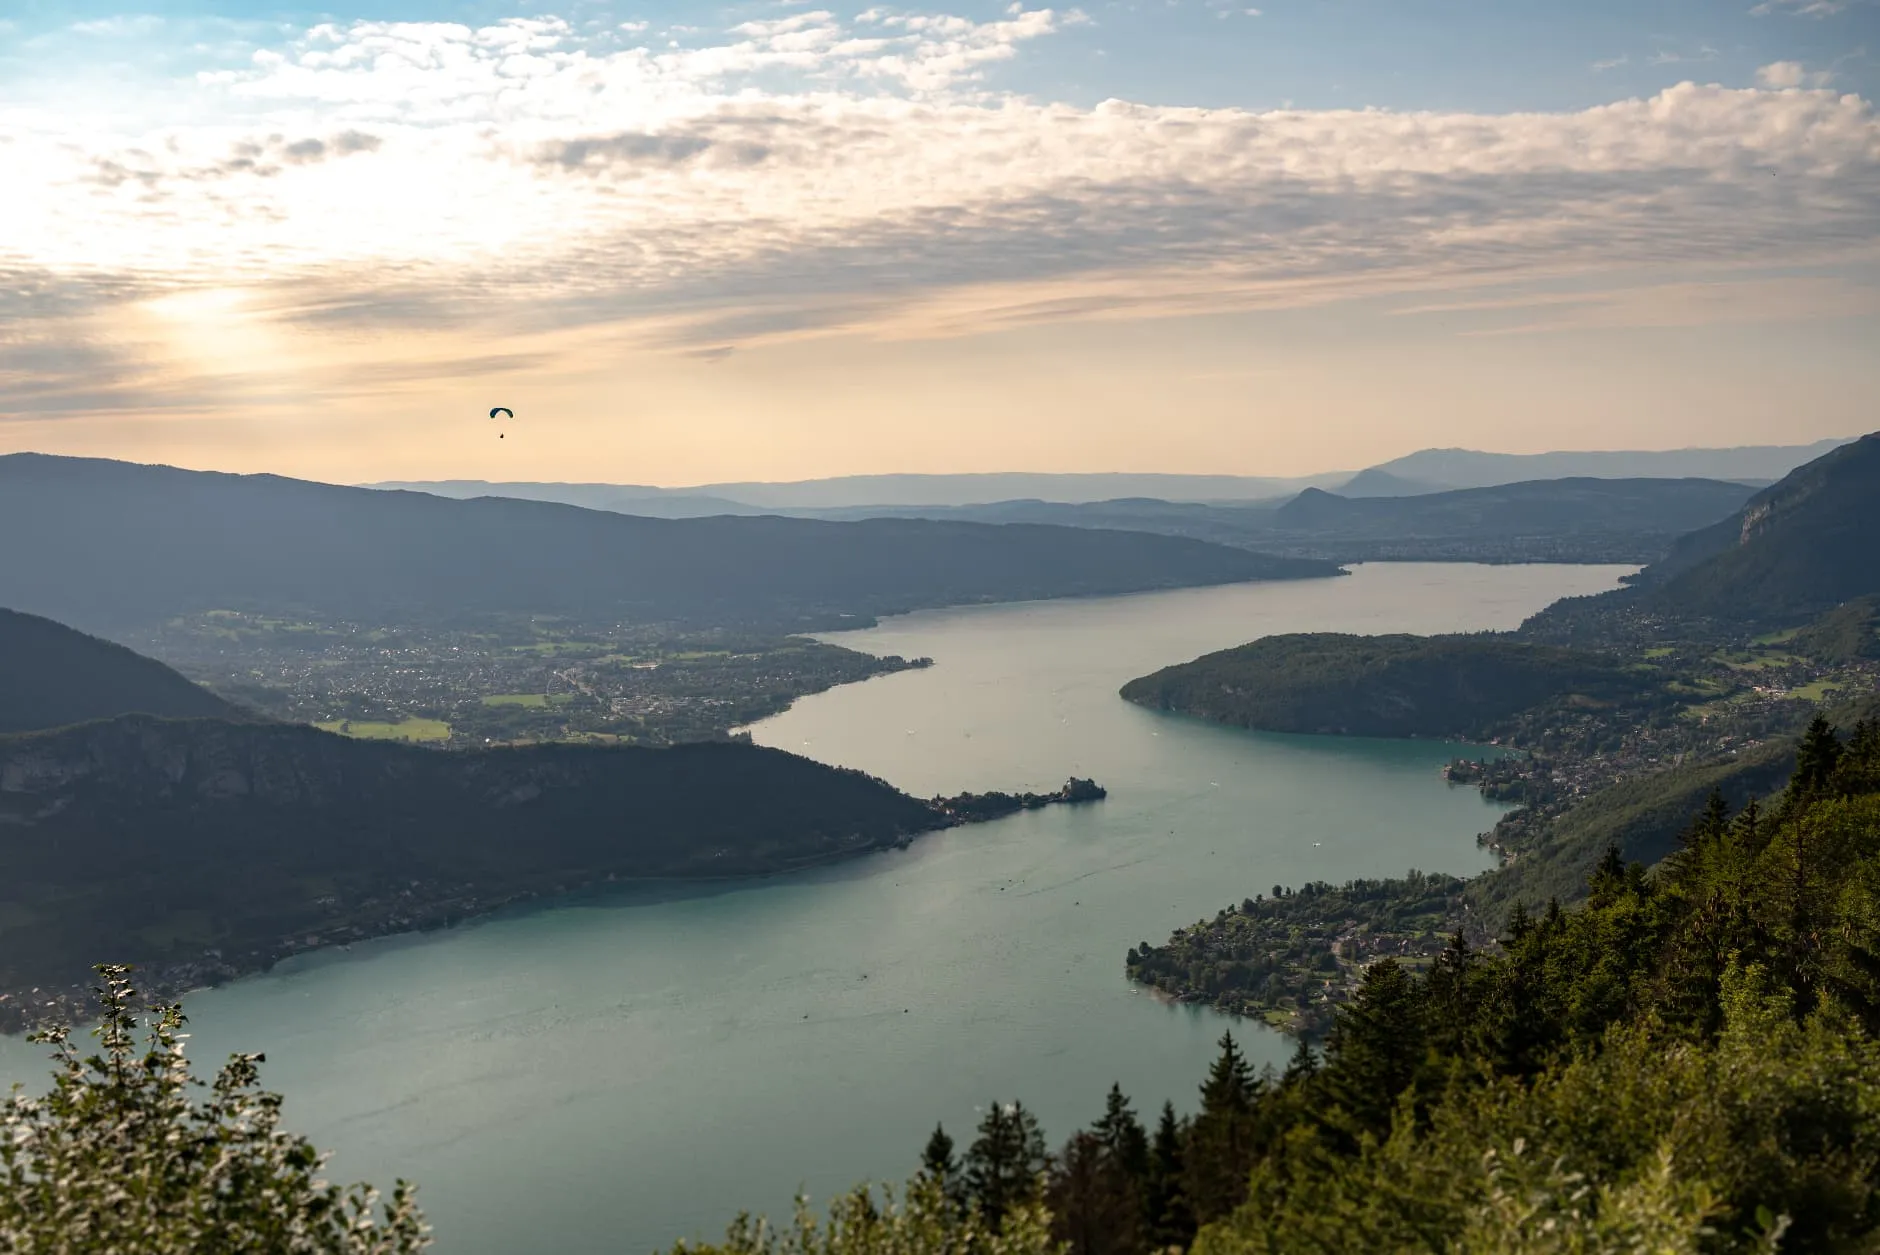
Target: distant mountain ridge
(1554,520)
(1427,470)
(1467,468)
(1663,507)
(51,676)
(121,543)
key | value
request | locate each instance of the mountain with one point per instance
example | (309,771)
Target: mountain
(203,836)
(1467,468)
(654,503)
(877,492)
(1379,483)
(1395,686)
(1563,520)
(51,676)
(886,490)
(1660,508)
(1797,548)
(117,543)
(1429,470)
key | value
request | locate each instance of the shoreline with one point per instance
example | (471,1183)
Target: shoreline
(25,1011)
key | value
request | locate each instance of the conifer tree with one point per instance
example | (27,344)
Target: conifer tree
(1816,759)
(1451,997)
(1376,1048)
(1171,1219)
(1095,1206)
(938,1164)
(1123,1133)
(1220,1142)
(1303,1064)
(1005,1162)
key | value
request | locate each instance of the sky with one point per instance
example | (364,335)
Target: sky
(693,242)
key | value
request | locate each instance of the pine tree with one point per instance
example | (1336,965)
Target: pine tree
(1004,1164)
(1376,1048)
(1123,1133)
(1220,1142)
(1816,759)
(1711,824)
(1171,1220)
(1096,1208)
(1303,1064)
(1605,884)
(1452,997)
(938,1164)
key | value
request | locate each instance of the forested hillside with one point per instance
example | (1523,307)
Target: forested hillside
(51,675)
(1455,686)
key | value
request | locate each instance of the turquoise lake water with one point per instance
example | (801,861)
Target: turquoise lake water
(613,1073)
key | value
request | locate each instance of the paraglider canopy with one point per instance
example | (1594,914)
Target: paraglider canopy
(502,409)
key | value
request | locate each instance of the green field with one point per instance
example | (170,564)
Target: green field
(404,730)
(536,700)
(1818,691)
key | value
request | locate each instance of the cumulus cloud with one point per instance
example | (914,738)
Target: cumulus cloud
(1786,74)
(813,172)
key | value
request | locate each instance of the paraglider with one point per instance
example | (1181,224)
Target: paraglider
(502,409)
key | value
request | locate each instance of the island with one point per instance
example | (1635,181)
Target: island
(977,807)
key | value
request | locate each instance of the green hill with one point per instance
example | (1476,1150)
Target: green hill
(212,847)
(51,676)
(122,544)
(1796,549)
(1454,686)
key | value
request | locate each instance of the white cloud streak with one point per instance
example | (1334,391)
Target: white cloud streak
(807,173)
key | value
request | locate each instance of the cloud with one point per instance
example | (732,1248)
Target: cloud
(1801,8)
(1681,304)
(1611,63)
(126,26)
(1786,74)
(807,174)
(1666,56)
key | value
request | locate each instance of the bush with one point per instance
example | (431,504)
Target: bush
(122,1156)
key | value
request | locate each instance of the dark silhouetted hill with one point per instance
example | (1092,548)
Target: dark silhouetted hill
(51,675)
(117,543)
(156,841)
(1451,686)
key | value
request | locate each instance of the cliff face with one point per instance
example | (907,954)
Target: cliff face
(156,841)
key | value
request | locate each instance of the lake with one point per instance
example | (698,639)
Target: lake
(612,1073)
